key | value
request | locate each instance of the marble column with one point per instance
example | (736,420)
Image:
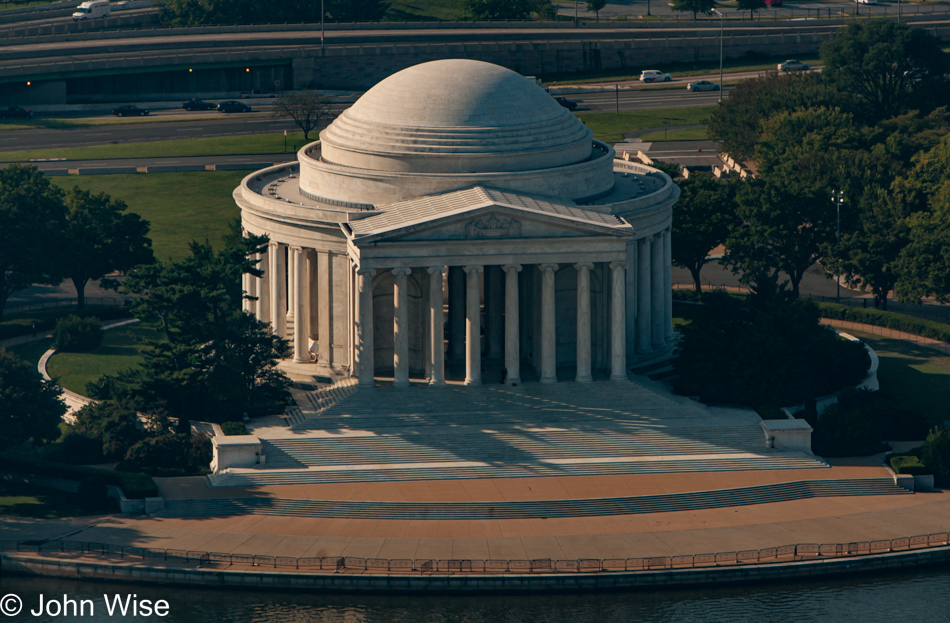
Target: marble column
(364,330)
(618,323)
(658,297)
(668,288)
(644,305)
(548,327)
(456,313)
(245,292)
(512,337)
(278,293)
(494,311)
(401,327)
(263,290)
(324,350)
(257,287)
(299,307)
(291,288)
(583,323)
(437,332)
(473,328)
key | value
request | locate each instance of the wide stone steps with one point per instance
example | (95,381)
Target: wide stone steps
(475,470)
(503,446)
(685,501)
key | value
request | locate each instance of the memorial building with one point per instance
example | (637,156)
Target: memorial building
(457,223)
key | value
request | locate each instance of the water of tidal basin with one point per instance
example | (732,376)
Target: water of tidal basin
(918,596)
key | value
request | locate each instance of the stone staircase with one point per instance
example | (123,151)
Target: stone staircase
(347,433)
(685,501)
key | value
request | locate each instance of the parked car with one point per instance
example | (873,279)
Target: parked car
(125,111)
(16,112)
(773,4)
(654,75)
(793,66)
(197,104)
(233,106)
(866,1)
(702,85)
(566,103)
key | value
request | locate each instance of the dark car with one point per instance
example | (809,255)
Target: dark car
(774,4)
(15,112)
(197,104)
(126,111)
(566,103)
(233,106)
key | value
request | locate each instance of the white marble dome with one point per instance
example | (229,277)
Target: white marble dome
(456,116)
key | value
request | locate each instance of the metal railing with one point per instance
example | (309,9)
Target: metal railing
(770,555)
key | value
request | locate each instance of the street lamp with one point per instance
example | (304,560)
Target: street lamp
(837,198)
(323,49)
(721,22)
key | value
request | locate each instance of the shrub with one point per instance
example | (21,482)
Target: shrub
(845,432)
(113,424)
(908,464)
(890,320)
(80,448)
(74,334)
(135,485)
(170,455)
(764,350)
(935,453)
(234,428)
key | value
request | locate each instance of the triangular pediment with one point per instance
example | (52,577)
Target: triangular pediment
(480,214)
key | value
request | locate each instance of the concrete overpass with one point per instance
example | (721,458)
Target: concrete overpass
(157,64)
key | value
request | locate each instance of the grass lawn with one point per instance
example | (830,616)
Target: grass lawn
(913,375)
(609,127)
(29,501)
(19,323)
(21,4)
(269,143)
(118,351)
(31,351)
(698,134)
(73,124)
(426,10)
(181,207)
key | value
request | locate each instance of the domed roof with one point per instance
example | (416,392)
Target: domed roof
(456,116)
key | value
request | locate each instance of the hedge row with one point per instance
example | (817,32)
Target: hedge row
(889,320)
(22,324)
(135,486)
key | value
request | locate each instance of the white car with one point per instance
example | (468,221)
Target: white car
(866,1)
(793,66)
(654,75)
(702,85)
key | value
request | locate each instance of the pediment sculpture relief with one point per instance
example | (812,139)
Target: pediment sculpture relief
(493,226)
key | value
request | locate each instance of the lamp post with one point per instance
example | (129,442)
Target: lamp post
(721,22)
(837,198)
(323,49)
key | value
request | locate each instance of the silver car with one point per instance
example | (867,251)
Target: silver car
(702,85)
(793,66)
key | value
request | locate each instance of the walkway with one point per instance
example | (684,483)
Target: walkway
(495,431)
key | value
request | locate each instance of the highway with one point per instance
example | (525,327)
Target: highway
(176,123)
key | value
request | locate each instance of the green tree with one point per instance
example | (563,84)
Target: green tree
(115,426)
(204,12)
(751,6)
(935,454)
(886,68)
(306,108)
(780,230)
(30,406)
(101,238)
(215,360)
(32,217)
(693,6)
(924,264)
(738,122)
(702,219)
(596,6)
